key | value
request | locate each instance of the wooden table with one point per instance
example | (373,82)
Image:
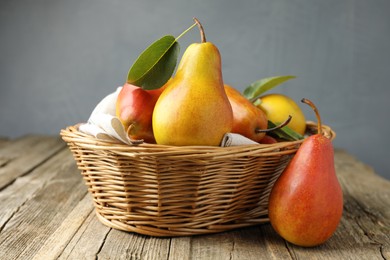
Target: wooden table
(46,213)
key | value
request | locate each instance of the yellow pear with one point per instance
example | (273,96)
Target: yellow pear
(194,108)
(278,107)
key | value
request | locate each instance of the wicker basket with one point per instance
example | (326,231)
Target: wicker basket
(178,191)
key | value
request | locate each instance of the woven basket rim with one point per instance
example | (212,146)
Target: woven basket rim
(72,133)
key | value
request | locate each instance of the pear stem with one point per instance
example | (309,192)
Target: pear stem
(311,104)
(202,35)
(258,131)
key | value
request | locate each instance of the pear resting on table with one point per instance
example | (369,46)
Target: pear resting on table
(306,202)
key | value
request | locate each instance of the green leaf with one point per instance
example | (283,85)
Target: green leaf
(156,64)
(285,132)
(257,88)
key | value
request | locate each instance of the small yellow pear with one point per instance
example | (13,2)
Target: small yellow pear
(278,107)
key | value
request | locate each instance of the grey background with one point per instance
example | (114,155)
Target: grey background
(59,58)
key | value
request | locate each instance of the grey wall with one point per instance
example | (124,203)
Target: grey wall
(59,58)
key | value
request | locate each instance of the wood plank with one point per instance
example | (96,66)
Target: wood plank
(275,245)
(247,243)
(56,243)
(368,204)
(123,245)
(24,188)
(8,149)
(87,241)
(180,248)
(156,248)
(16,147)
(38,217)
(24,154)
(258,242)
(212,246)
(3,141)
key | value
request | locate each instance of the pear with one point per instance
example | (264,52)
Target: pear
(278,106)
(134,108)
(248,120)
(306,202)
(268,140)
(194,108)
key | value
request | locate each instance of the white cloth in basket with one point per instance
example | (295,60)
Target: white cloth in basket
(103,124)
(232,139)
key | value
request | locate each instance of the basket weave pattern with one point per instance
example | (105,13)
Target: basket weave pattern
(177,191)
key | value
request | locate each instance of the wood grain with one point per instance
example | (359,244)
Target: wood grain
(50,200)
(55,244)
(46,213)
(87,241)
(22,155)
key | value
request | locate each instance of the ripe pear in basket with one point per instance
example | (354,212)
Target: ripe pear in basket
(134,108)
(279,106)
(249,120)
(194,108)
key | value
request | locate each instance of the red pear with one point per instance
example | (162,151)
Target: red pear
(134,108)
(248,119)
(268,140)
(306,202)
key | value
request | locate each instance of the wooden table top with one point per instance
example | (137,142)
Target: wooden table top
(46,213)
